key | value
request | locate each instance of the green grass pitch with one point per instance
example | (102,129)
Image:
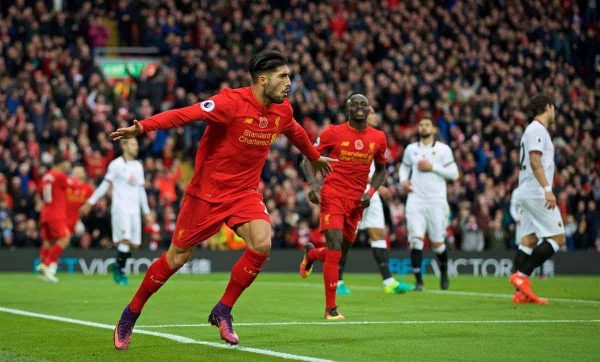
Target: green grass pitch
(282,313)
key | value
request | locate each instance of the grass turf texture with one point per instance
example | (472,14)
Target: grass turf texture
(286,298)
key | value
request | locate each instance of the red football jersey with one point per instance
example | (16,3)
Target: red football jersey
(238,137)
(77,195)
(54,196)
(355,151)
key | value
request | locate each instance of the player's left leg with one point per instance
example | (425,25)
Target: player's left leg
(132,241)
(437,220)
(257,235)
(381,254)
(62,236)
(342,289)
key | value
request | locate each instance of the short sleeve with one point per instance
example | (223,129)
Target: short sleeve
(325,141)
(535,139)
(111,172)
(406,157)
(218,108)
(380,154)
(447,156)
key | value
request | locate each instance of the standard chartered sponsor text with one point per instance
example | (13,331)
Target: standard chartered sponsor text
(257,138)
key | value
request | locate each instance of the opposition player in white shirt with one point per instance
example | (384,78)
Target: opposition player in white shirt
(426,167)
(126,177)
(541,223)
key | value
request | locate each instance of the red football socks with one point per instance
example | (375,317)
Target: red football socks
(157,275)
(317,254)
(330,276)
(43,254)
(243,274)
(53,254)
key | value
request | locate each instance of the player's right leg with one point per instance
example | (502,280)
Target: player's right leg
(333,238)
(156,276)
(417,224)
(549,227)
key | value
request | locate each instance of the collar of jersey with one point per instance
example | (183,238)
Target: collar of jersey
(258,104)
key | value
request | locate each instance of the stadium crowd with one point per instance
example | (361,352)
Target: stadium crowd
(470,66)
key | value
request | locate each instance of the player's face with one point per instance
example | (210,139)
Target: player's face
(78,172)
(425,128)
(358,108)
(278,84)
(131,147)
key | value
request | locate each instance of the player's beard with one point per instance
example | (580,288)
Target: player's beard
(424,135)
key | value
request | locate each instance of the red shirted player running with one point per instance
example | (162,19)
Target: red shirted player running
(355,144)
(77,194)
(241,126)
(53,219)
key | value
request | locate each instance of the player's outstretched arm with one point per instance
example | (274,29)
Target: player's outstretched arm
(300,139)
(127,132)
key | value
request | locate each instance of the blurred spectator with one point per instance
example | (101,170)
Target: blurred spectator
(471,65)
(472,236)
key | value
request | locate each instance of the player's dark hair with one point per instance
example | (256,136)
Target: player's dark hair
(538,104)
(58,158)
(265,61)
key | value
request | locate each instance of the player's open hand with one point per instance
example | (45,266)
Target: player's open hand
(365,200)
(407,187)
(127,132)
(322,165)
(85,209)
(424,166)
(550,200)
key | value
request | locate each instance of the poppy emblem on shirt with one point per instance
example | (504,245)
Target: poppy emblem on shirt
(262,122)
(358,144)
(208,106)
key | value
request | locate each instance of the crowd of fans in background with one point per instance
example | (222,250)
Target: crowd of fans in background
(471,66)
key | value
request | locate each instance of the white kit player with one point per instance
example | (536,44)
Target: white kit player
(426,167)
(541,226)
(126,176)
(373,221)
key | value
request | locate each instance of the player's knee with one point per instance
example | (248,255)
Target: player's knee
(529,241)
(176,258)
(333,238)
(438,248)
(559,239)
(416,243)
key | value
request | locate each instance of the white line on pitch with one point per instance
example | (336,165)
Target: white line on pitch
(447,292)
(549,321)
(173,337)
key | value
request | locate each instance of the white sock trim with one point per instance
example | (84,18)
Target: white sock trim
(123,248)
(554,244)
(526,249)
(440,250)
(379,244)
(340,282)
(389,281)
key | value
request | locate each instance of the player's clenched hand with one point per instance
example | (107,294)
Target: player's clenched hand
(84,210)
(322,165)
(149,218)
(127,132)
(407,187)
(550,200)
(424,165)
(384,192)
(314,195)
(365,200)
